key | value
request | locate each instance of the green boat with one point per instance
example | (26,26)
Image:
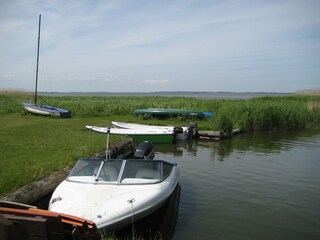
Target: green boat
(161,112)
(156,138)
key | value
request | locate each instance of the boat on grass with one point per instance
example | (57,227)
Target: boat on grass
(46,110)
(20,221)
(115,192)
(141,134)
(163,112)
(39,109)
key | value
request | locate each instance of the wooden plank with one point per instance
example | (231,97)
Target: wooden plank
(6,227)
(54,225)
(209,134)
(236,131)
(16,205)
(41,224)
(35,226)
(217,134)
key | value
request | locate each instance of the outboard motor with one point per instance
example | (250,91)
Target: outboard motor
(177,130)
(193,130)
(144,151)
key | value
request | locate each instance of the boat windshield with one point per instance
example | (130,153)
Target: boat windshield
(87,170)
(135,171)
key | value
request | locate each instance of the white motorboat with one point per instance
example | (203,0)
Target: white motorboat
(113,193)
(180,132)
(139,125)
(140,134)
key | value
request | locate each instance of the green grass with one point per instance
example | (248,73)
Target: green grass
(33,147)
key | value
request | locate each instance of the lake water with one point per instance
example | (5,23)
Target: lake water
(200,95)
(254,186)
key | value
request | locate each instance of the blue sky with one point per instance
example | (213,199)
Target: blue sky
(146,46)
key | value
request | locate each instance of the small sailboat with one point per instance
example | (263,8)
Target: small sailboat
(43,109)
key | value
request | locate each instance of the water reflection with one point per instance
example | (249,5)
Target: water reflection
(268,142)
(254,186)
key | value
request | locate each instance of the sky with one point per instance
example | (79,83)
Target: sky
(161,45)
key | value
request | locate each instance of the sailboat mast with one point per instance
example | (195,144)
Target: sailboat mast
(37,70)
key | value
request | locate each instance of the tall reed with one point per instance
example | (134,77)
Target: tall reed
(264,113)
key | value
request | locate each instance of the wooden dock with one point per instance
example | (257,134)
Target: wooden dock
(216,135)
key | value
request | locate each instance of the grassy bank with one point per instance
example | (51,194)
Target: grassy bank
(33,146)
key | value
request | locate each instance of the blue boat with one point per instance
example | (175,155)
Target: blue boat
(46,110)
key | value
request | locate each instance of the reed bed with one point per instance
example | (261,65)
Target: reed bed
(265,113)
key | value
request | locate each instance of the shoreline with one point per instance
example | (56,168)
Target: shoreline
(187,94)
(35,191)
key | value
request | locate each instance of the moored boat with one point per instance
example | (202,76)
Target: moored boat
(138,135)
(182,133)
(113,192)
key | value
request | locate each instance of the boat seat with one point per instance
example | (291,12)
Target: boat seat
(108,173)
(147,173)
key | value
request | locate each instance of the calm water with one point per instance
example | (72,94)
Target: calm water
(254,186)
(201,95)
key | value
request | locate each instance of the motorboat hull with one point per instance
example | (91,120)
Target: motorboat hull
(138,135)
(154,135)
(112,206)
(180,133)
